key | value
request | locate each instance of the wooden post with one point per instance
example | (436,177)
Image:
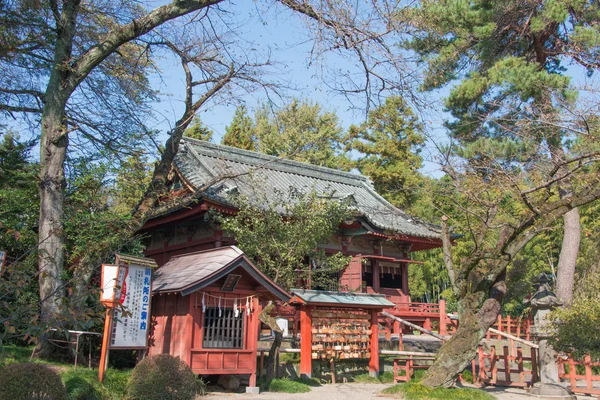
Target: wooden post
(474,370)
(376,275)
(508,325)
(400,342)
(493,366)
(534,364)
(506,364)
(443,317)
(500,326)
(105,343)
(520,365)
(305,342)
(332,367)
(405,288)
(588,371)
(481,375)
(253,337)
(572,373)
(374,361)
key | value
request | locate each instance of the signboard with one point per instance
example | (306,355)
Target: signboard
(131,317)
(110,283)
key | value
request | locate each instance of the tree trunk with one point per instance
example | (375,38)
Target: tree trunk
(274,350)
(475,319)
(568,256)
(51,243)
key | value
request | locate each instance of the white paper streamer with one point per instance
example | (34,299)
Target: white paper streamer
(203,303)
(220,311)
(247,307)
(236,311)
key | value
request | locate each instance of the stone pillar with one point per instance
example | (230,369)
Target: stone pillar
(542,303)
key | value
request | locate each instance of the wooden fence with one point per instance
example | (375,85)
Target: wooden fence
(575,379)
(519,327)
(492,364)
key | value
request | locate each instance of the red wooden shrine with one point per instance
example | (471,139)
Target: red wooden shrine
(338,325)
(205,309)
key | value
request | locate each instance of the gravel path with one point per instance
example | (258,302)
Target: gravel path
(358,391)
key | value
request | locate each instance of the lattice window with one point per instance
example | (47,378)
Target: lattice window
(225,331)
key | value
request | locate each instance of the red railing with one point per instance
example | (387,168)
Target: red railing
(489,368)
(519,327)
(589,378)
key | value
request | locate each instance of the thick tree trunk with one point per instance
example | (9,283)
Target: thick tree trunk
(51,231)
(475,319)
(568,256)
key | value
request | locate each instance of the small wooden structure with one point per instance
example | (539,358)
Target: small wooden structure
(583,384)
(336,325)
(504,375)
(205,309)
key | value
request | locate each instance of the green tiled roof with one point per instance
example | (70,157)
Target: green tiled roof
(317,297)
(201,163)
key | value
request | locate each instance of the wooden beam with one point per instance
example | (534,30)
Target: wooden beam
(418,328)
(516,339)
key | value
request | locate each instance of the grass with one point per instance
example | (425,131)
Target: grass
(288,386)
(414,391)
(386,377)
(81,383)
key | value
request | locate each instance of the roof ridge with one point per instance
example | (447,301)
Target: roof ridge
(278,160)
(231,246)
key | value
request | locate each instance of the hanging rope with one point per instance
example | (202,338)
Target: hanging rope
(221,302)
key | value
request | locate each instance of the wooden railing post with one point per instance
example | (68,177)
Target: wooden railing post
(534,366)
(508,325)
(443,317)
(481,364)
(572,373)
(500,326)
(506,364)
(588,371)
(520,365)
(493,366)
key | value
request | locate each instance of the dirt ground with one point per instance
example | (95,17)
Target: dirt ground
(359,391)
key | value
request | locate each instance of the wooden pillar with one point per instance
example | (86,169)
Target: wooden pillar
(404,270)
(253,337)
(189,330)
(443,318)
(305,341)
(374,361)
(376,275)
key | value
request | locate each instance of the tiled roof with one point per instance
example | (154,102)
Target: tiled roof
(188,273)
(203,163)
(341,298)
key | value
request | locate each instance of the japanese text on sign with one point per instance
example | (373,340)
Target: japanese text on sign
(130,326)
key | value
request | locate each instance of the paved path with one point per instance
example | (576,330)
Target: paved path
(357,391)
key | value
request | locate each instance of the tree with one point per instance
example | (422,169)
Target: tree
(514,114)
(57,53)
(389,143)
(240,133)
(282,233)
(197,130)
(300,131)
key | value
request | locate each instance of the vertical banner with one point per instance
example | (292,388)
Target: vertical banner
(131,317)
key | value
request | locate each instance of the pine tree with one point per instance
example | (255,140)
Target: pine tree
(240,132)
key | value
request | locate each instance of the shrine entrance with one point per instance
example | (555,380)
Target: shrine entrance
(336,325)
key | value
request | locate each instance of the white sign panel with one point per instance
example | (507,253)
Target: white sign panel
(130,326)
(109,282)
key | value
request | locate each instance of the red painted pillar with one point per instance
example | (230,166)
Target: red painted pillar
(305,341)
(253,338)
(443,317)
(374,361)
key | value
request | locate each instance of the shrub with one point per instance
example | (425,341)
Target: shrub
(162,377)
(29,381)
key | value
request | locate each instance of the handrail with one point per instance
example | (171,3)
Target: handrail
(426,331)
(516,339)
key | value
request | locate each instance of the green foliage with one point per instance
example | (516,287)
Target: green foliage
(30,381)
(414,391)
(301,131)
(83,384)
(197,130)
(288,386)
(240,133)
(282,231)
(576,327)
(162,377)
(389,143)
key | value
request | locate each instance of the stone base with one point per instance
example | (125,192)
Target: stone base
(551,391)
(253,389)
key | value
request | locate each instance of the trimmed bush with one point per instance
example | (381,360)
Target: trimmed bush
(30,381)
(162,377)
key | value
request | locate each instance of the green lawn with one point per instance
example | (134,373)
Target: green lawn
(414,391)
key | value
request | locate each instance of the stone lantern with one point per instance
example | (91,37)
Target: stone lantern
(542,303)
